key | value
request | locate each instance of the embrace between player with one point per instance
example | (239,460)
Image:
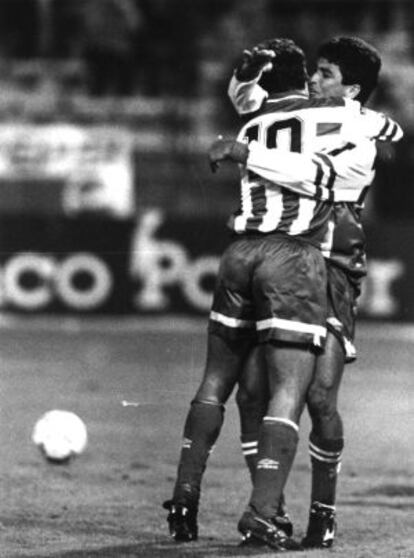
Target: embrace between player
(305,165)
(343,65)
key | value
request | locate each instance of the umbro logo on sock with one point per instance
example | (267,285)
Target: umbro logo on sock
(268,464)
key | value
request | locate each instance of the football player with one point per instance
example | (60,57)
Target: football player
(346,67)
(271,288)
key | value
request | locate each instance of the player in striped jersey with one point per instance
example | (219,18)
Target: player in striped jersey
(288,281)
(286,309)
(345,67)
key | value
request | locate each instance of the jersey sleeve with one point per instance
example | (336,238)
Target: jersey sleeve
(337,175)
(378,126)
(246,96)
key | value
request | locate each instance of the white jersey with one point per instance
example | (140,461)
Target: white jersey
(333,142)
(328,156)
(248,97)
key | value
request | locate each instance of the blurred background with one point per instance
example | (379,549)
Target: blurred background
(107,108)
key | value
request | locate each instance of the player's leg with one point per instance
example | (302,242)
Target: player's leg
(326,444)
(231,333)
(290,373)
(290,294)
(290,370)
(201,430)
(205,418)
(252,398)
(326,441)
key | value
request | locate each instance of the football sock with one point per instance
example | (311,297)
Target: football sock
(201,430)
(277,447)
(249,444)
(251,412)
(326,459)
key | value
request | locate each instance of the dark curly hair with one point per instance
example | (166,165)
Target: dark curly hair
(289,66)
(359,62)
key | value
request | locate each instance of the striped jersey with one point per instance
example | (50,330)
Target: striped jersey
(304,155)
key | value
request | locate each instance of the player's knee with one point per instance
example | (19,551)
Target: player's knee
(212,392)
(249,399)
(242,398)
(320,402)
(215,388)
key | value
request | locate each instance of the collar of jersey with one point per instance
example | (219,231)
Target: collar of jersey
(294,94)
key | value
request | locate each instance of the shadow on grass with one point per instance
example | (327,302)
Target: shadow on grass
(394,496)
(159,548)
(361,503)
(389,490)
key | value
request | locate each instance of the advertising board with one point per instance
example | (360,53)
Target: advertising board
(159,263)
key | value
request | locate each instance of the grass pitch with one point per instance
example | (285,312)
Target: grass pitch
(131,382)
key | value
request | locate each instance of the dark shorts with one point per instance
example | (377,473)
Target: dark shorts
(342,298)
(271,287)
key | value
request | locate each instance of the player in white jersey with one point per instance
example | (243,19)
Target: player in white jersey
(265,274)
(346,67)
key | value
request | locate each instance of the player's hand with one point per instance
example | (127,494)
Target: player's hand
(254,62)
(227,150)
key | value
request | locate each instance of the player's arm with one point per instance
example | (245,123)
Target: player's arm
(246,96)
(338,175)
(244,91)
(379,127)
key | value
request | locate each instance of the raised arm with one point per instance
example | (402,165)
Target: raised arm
(244,90)
(246,96)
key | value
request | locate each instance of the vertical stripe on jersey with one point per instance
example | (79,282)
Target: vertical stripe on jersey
(332,173)
(321,215)
(305,214)
(275,208)
(328,240)
(290,212)
(258,207)
(240,218)
(318,178)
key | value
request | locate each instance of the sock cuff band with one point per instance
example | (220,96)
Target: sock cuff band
(324,456)
(250,448)
(286,422)
(334,445)
(207,402)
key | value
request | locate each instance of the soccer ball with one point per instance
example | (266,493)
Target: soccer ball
(60,435)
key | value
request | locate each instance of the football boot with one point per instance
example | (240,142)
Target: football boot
(321,527)
(182,522)
(257,530)
(282,522)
